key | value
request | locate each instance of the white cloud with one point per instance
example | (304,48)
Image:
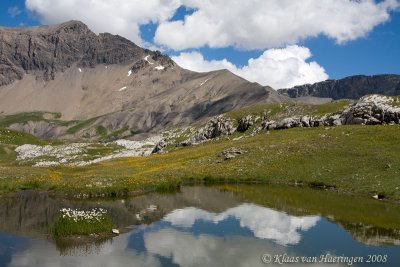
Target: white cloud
(250,24)
(14,11)
(278,68)
(122,17)
(260,24)
(265,223)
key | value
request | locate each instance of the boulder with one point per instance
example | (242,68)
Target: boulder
(305,121)
(333,120)
(245,123)
(160,146)
(115,231)
(268,125)
(289,123)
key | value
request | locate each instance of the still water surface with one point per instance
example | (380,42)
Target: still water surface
(209,226)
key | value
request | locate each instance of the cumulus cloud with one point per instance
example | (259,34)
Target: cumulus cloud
(122,17)
(278,68)
(260,24)
(250,24)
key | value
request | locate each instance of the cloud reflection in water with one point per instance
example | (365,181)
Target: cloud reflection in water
(265,223)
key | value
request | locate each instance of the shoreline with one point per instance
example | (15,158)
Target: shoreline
(132,194)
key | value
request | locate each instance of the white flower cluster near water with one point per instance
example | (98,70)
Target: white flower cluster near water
(94,215)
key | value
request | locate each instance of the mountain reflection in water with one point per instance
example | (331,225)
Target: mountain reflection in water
(199,226)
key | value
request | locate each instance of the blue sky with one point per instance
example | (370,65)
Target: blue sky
(374,51)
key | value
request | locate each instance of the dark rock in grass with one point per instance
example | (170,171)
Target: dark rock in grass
(215,127)
(245,123)
(231,153)
(160,146)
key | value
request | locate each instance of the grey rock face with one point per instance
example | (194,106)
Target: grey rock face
(245,123)
(46,50)
(39,128)
(215,127)
(352,87)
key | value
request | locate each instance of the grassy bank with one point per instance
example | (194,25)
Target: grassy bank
(302,201)
(359,159)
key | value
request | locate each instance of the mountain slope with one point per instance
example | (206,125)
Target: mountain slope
(352,87)
(70,70)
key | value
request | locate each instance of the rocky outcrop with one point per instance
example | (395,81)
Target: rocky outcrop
(291,122)
(353,87)
(216,127)
(245,123)
(371,110)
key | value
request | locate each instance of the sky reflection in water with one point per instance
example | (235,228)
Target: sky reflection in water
(191,236)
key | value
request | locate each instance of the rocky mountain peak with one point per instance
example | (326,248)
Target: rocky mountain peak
(73,26)
(46,50)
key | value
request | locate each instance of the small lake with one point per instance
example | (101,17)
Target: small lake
(243,225)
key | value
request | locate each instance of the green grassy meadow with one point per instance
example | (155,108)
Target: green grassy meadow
(356,159)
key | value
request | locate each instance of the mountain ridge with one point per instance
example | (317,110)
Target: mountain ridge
(70,70)
(352,87)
